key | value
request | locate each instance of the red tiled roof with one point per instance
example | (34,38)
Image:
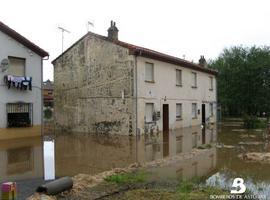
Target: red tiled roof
(149,53)
(18,37)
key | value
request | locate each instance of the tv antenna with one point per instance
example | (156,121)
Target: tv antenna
(63,30)
(89,24)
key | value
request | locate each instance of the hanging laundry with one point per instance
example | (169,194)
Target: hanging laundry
(19,82)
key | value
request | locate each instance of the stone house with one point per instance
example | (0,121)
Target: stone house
(105,85)
(20,84)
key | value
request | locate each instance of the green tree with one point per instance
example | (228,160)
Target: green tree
(243,80)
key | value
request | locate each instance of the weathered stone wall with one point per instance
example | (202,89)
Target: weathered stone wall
(89,81)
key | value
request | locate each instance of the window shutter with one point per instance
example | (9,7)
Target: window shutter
(17,66)
(178,77)
(149,109)
(178,110)
(149,71)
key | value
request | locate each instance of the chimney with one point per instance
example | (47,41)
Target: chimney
(113,32)
(202,62)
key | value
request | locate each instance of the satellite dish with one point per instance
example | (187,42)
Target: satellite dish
(4,65)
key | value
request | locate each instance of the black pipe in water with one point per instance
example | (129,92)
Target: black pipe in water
(56,186)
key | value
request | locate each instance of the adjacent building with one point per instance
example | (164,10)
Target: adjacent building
(104,85)
(48,93)
(20,83)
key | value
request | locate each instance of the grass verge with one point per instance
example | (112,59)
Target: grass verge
(127,178)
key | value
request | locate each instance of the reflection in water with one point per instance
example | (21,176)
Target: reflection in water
(49,164)
(256,175)
(198,165)
(166,144)
(84,153)
(20,159)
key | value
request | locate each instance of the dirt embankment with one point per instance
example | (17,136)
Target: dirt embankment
(83,182)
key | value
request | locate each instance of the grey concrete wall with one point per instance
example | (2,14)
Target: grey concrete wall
(89,81)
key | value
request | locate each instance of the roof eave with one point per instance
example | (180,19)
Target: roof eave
(21,39)
(172,60)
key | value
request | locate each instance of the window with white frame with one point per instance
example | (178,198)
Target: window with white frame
(194,79)
(211,109)
(211,83)
(194,110)
(178,111)
(16,66)
(178,77)
(149,72)
(149,111)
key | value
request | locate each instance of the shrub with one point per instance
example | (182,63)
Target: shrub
(251,122)
(47,113)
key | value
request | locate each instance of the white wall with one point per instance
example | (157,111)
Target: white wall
(165,85)
(33,68)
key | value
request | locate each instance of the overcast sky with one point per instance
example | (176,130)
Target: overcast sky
(181,27)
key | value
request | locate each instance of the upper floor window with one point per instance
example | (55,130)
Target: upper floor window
(16,66)
(149,72)
(178,111)
(211,109)
(194,80)
(194,110)
(211,80)
(178,77)
(149,111)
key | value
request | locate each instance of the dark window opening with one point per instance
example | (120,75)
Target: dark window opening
(19,115)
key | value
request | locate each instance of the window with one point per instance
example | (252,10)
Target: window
(178,77)
(19,114)
(211,83)
(211,109)
(16,66)
(178,111)
(149,72)
(194,110)
(194,80)
(149,110)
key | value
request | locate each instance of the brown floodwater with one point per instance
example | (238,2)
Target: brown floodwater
(91,154)
(22,158)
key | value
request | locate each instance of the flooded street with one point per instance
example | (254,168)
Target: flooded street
(229,166)
(89,154)
(216,159)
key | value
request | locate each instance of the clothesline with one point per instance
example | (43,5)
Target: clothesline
(19,82)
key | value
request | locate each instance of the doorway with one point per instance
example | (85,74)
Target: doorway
(165,130)
(203,114)
(166,117)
